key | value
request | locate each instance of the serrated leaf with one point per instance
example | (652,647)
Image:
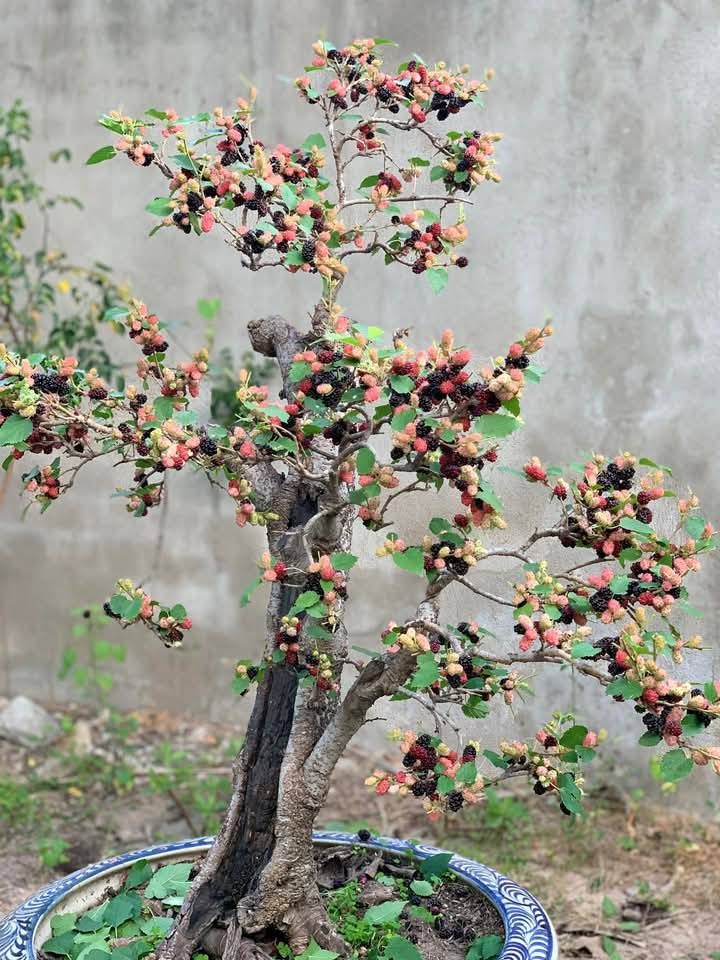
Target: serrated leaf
(467,773)
(401,383)
(166,880)
(15,429)
(574,736)
(412,559)
(437,278)
(423,888)
(487,947)
(427,672)
(365,461)
(398,948)
(496,425)
(116,313)
(402,419)
(622,687)
(675,765)
(496,759)
(436,865)
(247,593)
(125,906)
(475,708)
(383,913)
(649,739)
(160,207)
(104,153)
(582,649)
(343,561)
(636,526)
(619,584)
(313,140)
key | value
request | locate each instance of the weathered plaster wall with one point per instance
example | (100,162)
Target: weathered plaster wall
(607,217)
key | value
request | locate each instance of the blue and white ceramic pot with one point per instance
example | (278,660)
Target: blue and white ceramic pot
(529,934)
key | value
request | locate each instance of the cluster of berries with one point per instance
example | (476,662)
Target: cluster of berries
(132,605)
(444,779)
(471,161)
(422,90)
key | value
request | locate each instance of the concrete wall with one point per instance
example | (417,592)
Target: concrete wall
(605,217)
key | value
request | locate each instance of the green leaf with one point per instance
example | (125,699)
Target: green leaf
(629,555)
(622,687)
(423,888)
(609,949)
(240,685)
(157,927)
(467,773)
(582,649)
(658,466)
(398,948)
(125,906)
(437,173)
(116,313)
(289,196)
(496,425)
(675,765)
(92,920)
(369,181)
(438,278)
(411,559)
(166,880)
(402,419)
(63,944)
(475,708)
(692,723)
(496,759)
(62,922)
(427,672)
(306,600)
(630,523)
(343,561)
(649,739)
(133,608)
(14,429)
(247,593)
(384,913)
(104,153)
(208,308)
(365,461)
(313,951)
(314,140)
(695,526)
(361,494)
(436,865)
(574,736)
(488,495)
(619,584)
(140,873)
(163,407)
(569,793)
(402,384)
(487,947)
(160,207)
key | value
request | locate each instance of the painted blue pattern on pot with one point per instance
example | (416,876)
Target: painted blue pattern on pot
(529,934)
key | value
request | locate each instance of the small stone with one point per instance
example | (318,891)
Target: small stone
(27,723)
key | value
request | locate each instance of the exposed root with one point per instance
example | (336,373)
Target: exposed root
(312,923)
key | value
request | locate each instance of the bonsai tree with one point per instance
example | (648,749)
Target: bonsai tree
(312,464)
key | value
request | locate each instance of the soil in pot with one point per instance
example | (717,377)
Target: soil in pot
(386,908)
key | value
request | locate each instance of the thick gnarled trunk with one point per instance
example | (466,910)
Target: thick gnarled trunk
(260,873)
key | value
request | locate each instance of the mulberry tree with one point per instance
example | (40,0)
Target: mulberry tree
(309,467)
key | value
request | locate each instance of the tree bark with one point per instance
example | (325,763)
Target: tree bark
(260,872)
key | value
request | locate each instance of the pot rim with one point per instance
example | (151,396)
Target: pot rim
(529,933)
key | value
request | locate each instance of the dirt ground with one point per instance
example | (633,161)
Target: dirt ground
(630,880)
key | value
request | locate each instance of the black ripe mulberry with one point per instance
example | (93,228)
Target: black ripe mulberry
(599,601)
(644,515)
(208,446)
(308,251)
(455,801)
